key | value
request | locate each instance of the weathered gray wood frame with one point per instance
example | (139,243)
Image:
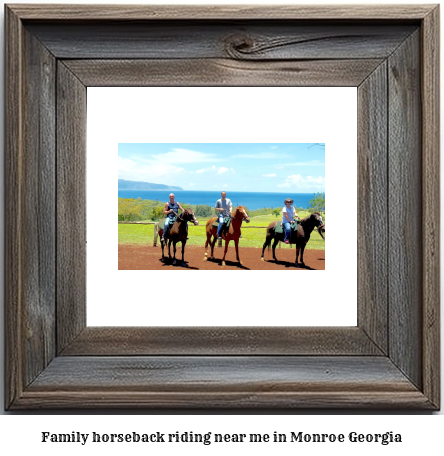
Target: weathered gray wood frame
(390,360)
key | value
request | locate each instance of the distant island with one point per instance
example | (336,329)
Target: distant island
(134,185)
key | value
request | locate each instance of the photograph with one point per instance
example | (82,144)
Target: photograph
(246,206)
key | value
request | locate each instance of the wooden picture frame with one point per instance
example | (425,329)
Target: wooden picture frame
(390,360)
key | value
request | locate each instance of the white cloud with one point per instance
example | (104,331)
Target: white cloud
(269,175)
(264,155)
(225,185)
(296,181)
(134,170)
(204,170)
(186,156)
(220,170)
(307,163)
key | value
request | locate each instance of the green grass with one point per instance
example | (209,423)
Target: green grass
(251,237)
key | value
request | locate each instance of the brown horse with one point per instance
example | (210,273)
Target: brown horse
(233,233)
(178,233)
(305,227)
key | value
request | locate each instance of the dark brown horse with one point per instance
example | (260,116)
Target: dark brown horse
(177,233)
(233,233)
(305,227)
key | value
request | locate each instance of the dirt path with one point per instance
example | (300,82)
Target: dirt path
(136,257)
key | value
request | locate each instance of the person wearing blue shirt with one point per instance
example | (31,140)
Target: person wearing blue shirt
(171,211)
(224,207)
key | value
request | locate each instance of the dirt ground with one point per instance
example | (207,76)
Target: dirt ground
(136,257)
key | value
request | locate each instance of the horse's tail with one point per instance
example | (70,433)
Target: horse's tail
(210,222)
(268,237)
(160,230)
(271,233)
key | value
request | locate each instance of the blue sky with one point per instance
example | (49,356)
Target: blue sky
(236,167)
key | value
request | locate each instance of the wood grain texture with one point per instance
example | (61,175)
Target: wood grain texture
(430,93)
(268,42)
(13,209)
(372,200)
(221,72)
(259,40)
(259,401)
(127,341)
(30,225)
(404,208)
(234,382)
(223,12)
(39,207)
(71,206)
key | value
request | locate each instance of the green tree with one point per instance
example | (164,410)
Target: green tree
(276,211)
(317,203)
(129,209)
(203,210)
(156,213)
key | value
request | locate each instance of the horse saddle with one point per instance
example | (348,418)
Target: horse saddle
(293,227)
(169,220)
(227,222)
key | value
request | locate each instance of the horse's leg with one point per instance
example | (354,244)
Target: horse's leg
(162,244)
(207,245)
(302,256)
(298,248)
(236,246)
(266,244)
(275,242)
(225,252)
(183,251)
(212,246)
(206,248)
(174,252)
(169,248)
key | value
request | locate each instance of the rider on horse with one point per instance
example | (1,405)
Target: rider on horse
(170,210)
(288,215)
(224,207)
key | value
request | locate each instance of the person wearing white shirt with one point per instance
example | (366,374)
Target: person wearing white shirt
(288,214)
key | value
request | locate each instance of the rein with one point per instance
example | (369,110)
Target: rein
(313,227)
(180,217)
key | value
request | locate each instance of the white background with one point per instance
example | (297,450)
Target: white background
(20,434)
(208,114)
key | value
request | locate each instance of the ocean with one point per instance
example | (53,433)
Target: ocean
(253,200)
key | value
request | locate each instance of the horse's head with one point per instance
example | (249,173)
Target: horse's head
(317,219)
(241,213)
(321,231)
(189,216)
(319,223)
